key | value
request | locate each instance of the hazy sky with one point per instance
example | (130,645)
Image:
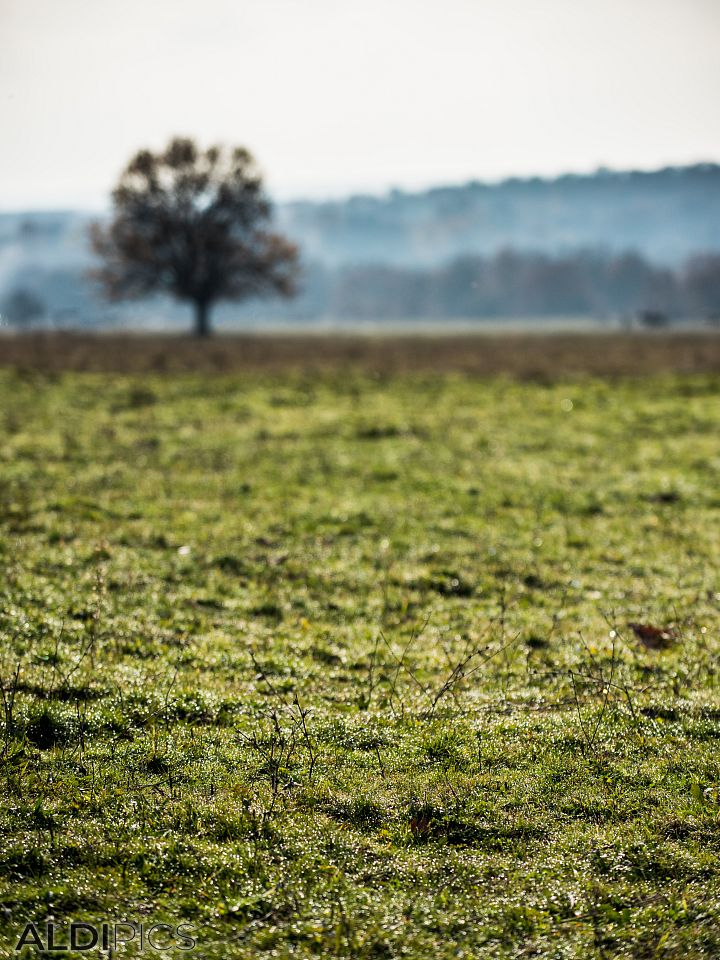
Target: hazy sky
(338,95)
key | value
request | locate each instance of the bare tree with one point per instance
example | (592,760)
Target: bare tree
(193,224)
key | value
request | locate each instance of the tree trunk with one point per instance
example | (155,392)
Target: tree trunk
(202,319)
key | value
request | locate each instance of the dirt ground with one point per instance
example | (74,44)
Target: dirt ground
(521,355)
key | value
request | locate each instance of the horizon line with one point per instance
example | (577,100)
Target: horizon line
(392,190)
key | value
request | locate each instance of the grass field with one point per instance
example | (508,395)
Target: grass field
(338,664)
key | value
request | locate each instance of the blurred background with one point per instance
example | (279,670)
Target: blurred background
(450,163)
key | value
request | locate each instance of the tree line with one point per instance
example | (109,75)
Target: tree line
(509,283)
(513,283)
(195,225)
(666,214)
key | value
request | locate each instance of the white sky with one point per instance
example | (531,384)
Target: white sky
(341,95)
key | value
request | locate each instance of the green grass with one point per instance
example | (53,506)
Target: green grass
(339,666)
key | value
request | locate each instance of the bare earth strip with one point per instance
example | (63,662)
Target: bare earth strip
(521,355)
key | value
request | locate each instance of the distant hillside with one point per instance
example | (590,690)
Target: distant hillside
(666,215)
(534,246)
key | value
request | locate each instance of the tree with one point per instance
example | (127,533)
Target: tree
(22,307)
(193,224)
(702,284)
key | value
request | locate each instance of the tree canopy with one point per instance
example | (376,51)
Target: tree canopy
(194,224)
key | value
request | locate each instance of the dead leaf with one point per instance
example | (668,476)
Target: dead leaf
(420,825)
(654,638)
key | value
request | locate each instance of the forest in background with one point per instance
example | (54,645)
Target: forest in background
(605,245)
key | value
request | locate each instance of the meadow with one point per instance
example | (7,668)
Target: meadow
(336,659)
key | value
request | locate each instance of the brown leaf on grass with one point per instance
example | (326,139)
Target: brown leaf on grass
(420,825)
(654,638)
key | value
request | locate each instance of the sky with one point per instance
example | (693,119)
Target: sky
(339,96)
